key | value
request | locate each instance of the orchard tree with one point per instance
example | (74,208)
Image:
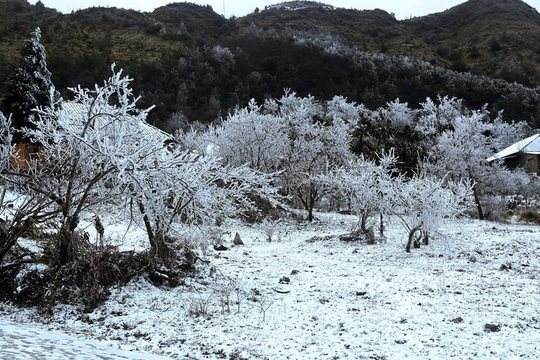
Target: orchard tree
(176,188)
(99,148)
(315,145)
(368,186)
(460,152)
(297,139)
(85,145)
(423,203)
(247,137)
(31,84)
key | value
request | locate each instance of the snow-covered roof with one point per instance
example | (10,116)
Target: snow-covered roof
(79,115)
(530,145)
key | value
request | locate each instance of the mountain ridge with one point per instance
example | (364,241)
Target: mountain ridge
(187,59)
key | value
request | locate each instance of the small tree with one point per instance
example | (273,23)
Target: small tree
(99,148)
(423,203)
(315,144)
(461,152)
(175,186)
(84,146)
(31,84)
(368,185)
(247,137)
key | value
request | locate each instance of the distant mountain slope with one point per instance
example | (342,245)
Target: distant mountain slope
(496,38)
(370,30)
(193,63)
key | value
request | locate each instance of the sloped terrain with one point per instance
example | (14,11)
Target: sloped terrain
(500,39)
(170,52)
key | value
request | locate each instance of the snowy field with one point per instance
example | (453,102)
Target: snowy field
(473,293)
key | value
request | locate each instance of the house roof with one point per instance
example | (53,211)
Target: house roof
(78,116)
(530,145)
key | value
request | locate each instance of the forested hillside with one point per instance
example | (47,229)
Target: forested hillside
(194,64)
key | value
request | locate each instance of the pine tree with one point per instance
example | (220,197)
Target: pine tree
(31,84)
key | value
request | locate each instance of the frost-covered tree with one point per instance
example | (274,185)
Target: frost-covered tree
(247,137)
(339,107)
(461,150)
(6,137)
(99,148)
(174,187)
(437,116)
(315,145)
(296,138)
(423,203)
(30,85)
(85,145)
(368,186)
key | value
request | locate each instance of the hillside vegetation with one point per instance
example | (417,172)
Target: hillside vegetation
(194,64)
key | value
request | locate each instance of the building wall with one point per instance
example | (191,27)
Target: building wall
(531,163)
(25,152)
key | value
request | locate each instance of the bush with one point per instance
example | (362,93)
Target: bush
(530,215)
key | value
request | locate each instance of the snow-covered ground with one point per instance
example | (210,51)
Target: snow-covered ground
(473,293)
(32,341)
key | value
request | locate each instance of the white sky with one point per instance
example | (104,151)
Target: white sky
(402,9)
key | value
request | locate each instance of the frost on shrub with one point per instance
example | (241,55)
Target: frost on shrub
(423,203)
(367,186)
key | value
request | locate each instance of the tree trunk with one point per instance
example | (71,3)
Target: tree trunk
(310,214)
(65,253)
(363,221)
(425,238)
(381,224)
(309,202)
(158,247)
(478,204)
(412,238)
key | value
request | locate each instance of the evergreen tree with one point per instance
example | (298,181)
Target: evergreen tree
(31,84)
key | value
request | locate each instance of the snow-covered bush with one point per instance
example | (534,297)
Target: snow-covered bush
(271,229)
(423,203)
(368,186)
